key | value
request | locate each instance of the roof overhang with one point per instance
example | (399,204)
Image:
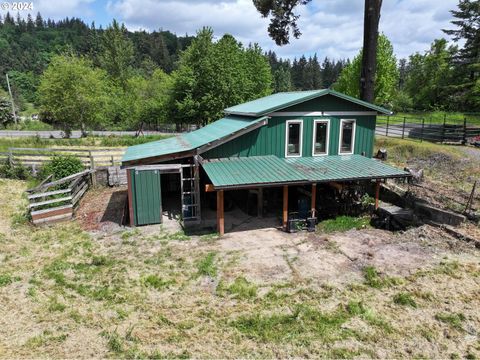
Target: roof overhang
(264,171)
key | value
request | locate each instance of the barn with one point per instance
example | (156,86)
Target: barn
(279,150)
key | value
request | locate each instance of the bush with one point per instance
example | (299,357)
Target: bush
(61,166)
(11,171)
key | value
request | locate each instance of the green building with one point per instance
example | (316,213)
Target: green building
(287,140)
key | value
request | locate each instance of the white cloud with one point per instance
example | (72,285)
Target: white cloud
(332,28)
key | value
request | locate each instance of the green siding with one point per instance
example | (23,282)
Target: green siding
(147,197)
(270,139)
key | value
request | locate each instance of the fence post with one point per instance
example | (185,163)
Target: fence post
(92,168)
(423,127)
(10,157)
(113,163)
(403,128)
(464,131)
(444,127)
(388,120)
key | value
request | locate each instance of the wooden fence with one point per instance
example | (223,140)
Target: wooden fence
(448,131)
(35,157)
(55,201)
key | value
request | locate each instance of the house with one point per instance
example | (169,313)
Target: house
(279,142)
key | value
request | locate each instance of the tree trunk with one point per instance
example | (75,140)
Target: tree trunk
(369,54)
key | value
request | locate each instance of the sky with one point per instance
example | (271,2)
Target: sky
(332,28)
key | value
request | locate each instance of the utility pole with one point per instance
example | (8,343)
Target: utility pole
(11,99)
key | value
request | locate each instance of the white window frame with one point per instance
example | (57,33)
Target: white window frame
(354,130)
(294,121)
(327,145)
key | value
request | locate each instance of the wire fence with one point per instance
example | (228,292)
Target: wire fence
(448,131)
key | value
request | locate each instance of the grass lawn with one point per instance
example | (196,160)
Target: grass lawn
(140,294)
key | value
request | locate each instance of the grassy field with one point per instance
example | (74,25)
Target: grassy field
(141,294)
(89,141)
(434,117)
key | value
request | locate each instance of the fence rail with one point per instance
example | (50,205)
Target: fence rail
(35,157)
(57,200)
(424,129)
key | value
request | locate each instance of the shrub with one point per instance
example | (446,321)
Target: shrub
(11,171)
(61,166)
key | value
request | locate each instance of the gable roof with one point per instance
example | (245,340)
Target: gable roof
(223,129)
(278,101)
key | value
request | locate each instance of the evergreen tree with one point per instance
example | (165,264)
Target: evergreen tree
(117,53)
(467,21)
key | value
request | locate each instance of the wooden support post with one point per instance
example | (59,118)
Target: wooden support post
(377,193)
(220,214)
(260,203)
(285,206)
(314,199)
(92,167)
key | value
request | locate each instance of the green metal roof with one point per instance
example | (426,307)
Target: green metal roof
(282,100)
(264,170)
(217,130)
(343,167)
(250,170)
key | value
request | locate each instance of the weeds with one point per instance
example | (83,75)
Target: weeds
(241,288)
(343,223)
(157,282)
(404,299)
(455,320)
(206,266)
(374,280)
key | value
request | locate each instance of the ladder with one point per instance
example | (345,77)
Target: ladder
(190,190)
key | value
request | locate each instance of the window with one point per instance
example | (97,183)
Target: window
(347,136)
(294,138)
(321,130)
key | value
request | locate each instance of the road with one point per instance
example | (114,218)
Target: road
(57,134)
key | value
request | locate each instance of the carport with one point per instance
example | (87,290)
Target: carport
(271,171)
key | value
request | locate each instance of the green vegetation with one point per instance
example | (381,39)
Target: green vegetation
(375,280)
(157,282)
(61,166)
(386,79)
(405,299)
(206,266)
(343,223)
(87,142)
(241,288)
(455,320)
(5,279)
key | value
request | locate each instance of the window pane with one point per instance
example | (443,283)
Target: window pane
(347,136)
(320,138)
(293,147)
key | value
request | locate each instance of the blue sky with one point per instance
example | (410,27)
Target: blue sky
(331,28)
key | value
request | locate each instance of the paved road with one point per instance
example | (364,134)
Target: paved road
(57,134)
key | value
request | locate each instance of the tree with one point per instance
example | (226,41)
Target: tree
(214,75)
(467,21)
(73,94)
(369,53)
(386,79)
(430,76)
(147,99)
(284,20)
(6,116)
(117,53)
